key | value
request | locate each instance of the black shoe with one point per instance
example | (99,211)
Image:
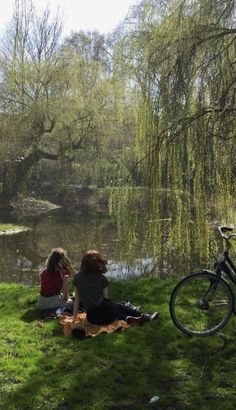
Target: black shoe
(78,332)
(128,304)
(149,317)
(138,321)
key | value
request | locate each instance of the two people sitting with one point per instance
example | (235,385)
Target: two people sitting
(91,290)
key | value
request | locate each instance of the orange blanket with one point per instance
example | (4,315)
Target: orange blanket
(90,330)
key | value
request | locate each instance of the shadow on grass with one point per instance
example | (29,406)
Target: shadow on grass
(31,315)
(116,371)
(124,370)
(106,372)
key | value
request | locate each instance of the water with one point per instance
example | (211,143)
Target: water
(170,240)
(23,255)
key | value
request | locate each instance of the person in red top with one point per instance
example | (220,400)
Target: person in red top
(54,280)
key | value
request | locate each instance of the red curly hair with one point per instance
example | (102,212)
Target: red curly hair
(93,262)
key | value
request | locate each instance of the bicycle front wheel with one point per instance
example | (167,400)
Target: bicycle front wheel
(201,306)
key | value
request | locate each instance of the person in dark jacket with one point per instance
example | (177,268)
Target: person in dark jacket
(91,289)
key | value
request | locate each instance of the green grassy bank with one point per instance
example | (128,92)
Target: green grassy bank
(42,369)
(10,228)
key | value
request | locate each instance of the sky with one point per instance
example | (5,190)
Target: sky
(86,15)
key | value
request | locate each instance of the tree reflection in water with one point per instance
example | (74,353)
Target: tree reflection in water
(171,235)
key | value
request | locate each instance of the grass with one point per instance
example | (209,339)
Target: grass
(42,369)
(30,205)
(6,228)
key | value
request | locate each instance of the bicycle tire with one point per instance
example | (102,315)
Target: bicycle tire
(193,319)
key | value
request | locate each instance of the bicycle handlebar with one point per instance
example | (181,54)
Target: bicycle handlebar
(223,229)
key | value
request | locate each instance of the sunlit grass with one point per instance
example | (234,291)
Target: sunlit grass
(42,369)
(6,228)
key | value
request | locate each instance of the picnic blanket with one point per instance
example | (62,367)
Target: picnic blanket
(88,328)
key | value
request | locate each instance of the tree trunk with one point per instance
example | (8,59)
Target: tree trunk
(14,174)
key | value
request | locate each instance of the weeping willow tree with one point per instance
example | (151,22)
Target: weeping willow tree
(181,58)
(183,61)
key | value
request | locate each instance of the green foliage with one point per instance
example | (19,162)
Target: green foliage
(143,106)
(181,56)
(59,100)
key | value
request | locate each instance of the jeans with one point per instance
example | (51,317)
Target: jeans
(108,311)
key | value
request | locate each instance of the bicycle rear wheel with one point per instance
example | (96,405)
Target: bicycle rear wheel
(199,305)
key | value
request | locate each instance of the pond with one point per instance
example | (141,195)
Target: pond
(169,240)
(23,255)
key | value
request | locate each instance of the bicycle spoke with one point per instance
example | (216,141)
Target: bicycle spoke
(193,313)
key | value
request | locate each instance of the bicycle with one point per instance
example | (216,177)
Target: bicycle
(202,303)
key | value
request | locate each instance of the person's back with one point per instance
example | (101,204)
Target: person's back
(51,283)
(54,280)
(90,288)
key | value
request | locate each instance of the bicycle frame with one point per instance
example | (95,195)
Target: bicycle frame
(213,291)
(222,267)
